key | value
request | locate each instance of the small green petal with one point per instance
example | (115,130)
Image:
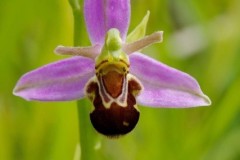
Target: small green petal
(140,30)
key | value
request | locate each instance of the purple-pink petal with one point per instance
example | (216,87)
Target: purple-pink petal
(60,81)
(102,15)
(165,86)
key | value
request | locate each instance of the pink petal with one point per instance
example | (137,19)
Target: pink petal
(165,86)
(102,15)
(60,81)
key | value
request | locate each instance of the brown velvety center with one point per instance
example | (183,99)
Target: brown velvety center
(116,120)
(113,82)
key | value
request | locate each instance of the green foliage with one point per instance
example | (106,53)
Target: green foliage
(29,32)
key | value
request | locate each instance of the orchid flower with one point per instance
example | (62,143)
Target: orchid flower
(112,72)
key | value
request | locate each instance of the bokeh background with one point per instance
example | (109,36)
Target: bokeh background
(201,37)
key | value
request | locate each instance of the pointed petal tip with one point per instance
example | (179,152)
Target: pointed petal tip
(148,12)
(17,92)
(58,49)
(159,35)
(139,31)
(206,100)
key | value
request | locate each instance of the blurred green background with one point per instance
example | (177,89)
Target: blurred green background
(201,37)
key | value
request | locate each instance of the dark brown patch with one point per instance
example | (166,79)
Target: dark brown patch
(113,82)
(116,120)
(134,87)
(91,88)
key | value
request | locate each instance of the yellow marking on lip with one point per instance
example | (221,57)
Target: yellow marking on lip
(106,62)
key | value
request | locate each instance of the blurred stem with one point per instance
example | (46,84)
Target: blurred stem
(88,137)
(78,21)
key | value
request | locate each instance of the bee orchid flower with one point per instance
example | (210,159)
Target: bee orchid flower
(112,72)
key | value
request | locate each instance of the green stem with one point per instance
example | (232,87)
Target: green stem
(88,137)
(78,21)
(89,140)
